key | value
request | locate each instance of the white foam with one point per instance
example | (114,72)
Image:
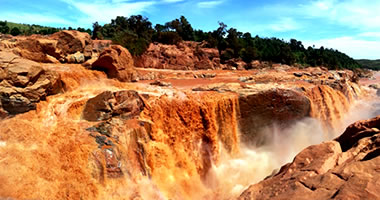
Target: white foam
(3,144)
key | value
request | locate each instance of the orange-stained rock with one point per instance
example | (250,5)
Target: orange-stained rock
(70,42)
(184,56)
(347,168)
(62,46)
(116,62)
(126,104)
(24,83)
(38,49)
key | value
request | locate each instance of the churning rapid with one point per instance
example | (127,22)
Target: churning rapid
(183,145)
(109,130)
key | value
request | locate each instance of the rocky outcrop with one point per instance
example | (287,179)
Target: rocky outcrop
(346,168)
(24,83)
(184,56)
(116,62)
(126,104)
(64,46)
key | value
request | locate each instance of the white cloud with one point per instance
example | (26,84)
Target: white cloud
(104,11)
(353,47)
(209,4)
(370,34)
(285,24)
(33,18)
(362,14)
(172,1)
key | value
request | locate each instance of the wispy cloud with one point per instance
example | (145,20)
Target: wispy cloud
(358,48)
(285,24)
(171,1)
(209,4)
(370,34)
(34,18)
(361,14)
(104,11)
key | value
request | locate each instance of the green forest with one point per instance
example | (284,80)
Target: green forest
(26,29)
(369,64)
(137,32)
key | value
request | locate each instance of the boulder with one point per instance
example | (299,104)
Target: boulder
(77,57)
(116,62)
(65,46)
(346,168)
(93,50)
(126,104)
(24,83)
(69,42)
(38,49)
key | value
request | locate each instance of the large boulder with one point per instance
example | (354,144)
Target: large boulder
(64,46)
(116,62)
(38,49)
(24,83)
(106,105)
(346,168)
(70,42)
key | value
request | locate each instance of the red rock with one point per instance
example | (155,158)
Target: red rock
(24,83)
(183,56)
(70,42)
(37,49)
(125,104)
(324,171)
(116,62)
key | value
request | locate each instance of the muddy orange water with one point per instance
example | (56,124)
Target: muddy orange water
(48,154)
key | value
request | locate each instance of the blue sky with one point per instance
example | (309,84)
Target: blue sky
(351,26)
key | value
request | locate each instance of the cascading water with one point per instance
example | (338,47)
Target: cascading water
(191,150)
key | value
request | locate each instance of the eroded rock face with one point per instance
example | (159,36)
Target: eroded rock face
(116,62)
(38,49)
(126,104)
(346,168)
(70,42)
(184,56)
(23,83)
(64,46)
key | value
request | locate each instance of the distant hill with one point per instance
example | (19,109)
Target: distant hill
(27,29)
(370,64)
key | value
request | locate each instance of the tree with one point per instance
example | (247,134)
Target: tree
(4,27)
(96,34)
(233,41)
(168,37)
(187,31)
(15,31)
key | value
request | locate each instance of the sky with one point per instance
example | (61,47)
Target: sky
(351,26)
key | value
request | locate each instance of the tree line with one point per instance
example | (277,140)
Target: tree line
(26,29)
(136,33)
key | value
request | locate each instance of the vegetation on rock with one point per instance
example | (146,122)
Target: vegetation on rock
(136,32)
